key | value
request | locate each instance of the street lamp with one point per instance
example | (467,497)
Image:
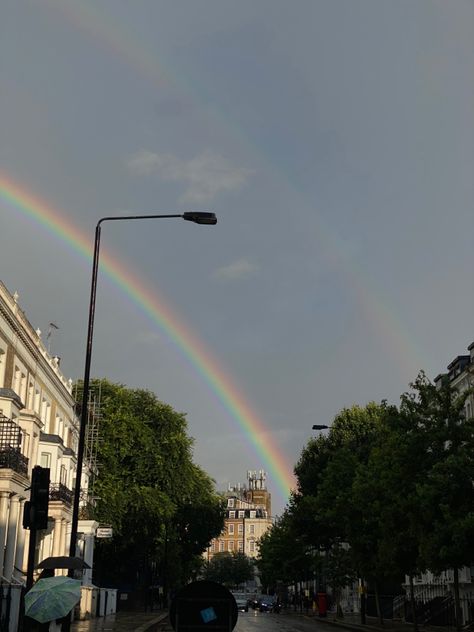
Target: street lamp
(197,217)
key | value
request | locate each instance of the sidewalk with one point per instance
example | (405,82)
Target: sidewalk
(122,622)
(352,622)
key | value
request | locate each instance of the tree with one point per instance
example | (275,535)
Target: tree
(162,506)
(386,488)
(339,571)
(229,569)
(330,510)
(446,493)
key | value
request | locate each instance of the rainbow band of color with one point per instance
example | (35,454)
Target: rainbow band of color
(258,436)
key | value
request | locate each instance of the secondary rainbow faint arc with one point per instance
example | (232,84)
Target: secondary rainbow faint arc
(155,308)
(122,44)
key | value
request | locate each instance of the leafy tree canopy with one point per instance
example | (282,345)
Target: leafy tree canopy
(162,506)
(229,569)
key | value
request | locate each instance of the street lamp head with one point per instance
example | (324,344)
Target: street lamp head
(320,427)
(200,217)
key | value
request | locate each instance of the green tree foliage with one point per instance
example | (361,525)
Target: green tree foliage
(337,566)
(229,569)
(388,492)
(446,492)
(326,470)
(283,554)
(161,505)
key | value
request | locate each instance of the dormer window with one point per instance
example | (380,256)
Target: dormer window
(230,502)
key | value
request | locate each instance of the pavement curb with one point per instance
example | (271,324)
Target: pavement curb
(370,627)
(147,626)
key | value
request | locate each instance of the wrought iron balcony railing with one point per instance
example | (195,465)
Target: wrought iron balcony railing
(12,458)
(58,491)
(10,442)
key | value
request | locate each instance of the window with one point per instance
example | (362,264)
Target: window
(252,546)
(241,528)
(63,475)
(55,427)
(253,514)
(221,546)
(25,443)
(31,395)
(37,401)
(3,357)
(213,546)
(241,546)
(230,502)
(231,545)
(230,529)
(19,380)
(16,380)
(45,460)
(69,437)
(231,514)
(241,514)
(252,529)
(45,413)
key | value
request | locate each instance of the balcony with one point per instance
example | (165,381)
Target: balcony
(58,491)
(10,442)
(12,458)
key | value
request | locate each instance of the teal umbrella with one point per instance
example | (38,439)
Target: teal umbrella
(52,598)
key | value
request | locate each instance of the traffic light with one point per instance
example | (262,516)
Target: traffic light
(36,509)
(27,515)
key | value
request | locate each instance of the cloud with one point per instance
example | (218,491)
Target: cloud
(239,269)
(205,176)
(148,337)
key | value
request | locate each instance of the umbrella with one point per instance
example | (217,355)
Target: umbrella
(52,598)
(63,561)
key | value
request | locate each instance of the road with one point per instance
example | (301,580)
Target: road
(254,621)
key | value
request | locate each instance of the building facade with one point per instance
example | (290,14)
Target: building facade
(247,517)
(38,426)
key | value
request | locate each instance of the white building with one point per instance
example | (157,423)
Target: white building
(38,426)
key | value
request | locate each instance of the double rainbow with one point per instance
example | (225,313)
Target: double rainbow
(16,198)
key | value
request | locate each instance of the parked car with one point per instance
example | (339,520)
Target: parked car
(242,601)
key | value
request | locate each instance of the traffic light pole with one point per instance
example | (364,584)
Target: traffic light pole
(31,557)
(36,514)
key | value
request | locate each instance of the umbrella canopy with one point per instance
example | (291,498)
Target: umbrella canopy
(52,598)
(63,561)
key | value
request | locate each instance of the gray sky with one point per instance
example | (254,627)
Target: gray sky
(334,139)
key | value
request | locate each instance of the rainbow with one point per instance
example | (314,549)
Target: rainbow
(16,197)
(116,39)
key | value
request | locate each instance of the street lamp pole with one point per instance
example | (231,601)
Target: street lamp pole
(197,217)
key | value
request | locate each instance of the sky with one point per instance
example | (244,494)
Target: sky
(334,140)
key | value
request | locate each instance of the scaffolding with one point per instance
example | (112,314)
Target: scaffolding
(92,436)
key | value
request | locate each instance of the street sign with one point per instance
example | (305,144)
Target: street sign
(104,532)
